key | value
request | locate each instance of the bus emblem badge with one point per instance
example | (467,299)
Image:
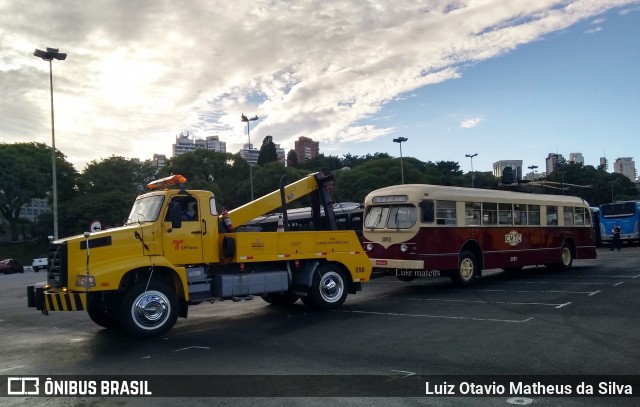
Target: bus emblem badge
(513,238)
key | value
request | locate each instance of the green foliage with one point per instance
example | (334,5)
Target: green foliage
(106,189)
(268,152)
(26,174)
(292,159)
(508,177)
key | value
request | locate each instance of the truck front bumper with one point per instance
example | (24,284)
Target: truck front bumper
(42,299)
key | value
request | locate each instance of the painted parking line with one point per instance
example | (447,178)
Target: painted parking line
(494,302)
(554,283)
(589,293)
(398,314)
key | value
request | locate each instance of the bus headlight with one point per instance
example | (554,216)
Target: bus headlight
(85,281)
(369,247)
(404,248)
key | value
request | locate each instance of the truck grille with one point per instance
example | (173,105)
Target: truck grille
(58,275)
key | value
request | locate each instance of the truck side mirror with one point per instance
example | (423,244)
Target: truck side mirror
(175,214)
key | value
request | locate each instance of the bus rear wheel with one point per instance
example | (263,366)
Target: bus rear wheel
(566,258)
(467,269)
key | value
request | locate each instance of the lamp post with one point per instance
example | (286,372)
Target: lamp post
(401,140)
(49,55)
(473,175)
(248,120)
(533,169)
(612,182)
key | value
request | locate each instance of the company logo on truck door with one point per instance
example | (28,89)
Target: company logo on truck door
(177,245)
(513,238)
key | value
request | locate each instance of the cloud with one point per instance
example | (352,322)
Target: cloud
(140,72)
(470,123)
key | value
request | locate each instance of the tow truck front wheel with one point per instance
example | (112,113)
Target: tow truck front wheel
(146,312)
(328,289)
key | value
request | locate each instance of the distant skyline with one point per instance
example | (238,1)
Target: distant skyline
(506,79)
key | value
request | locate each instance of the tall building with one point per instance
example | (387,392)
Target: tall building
(626,166)
(554,161)
(604,163)
(576,158)
(306,149)
(159,160)
(33,209)
(280,154)
(184,144)
(250,154)
(516,167)
(212,143)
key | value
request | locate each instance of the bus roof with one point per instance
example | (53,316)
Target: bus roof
(416,192)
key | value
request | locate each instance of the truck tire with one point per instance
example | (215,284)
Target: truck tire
(467,269)
(104,318)
(146,313)
(328,288)
(280,299)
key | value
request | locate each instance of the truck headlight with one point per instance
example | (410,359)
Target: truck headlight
(85,281)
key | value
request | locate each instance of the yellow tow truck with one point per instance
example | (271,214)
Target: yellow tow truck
(176,250)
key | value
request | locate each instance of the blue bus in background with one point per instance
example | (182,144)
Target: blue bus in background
(626,214)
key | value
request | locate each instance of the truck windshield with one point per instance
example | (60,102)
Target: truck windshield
(145,209)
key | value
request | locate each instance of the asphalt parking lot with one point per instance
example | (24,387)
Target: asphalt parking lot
(582,323)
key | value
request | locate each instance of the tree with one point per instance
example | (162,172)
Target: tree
(268,152)
(507,176)
(106,191)
(26,174)
(292,159)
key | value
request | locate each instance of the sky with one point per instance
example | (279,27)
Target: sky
(503,79)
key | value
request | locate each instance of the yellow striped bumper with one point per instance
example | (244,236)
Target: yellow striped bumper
(45,301)
(65,301)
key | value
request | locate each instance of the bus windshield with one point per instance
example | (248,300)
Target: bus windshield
(615,210)
(391,217)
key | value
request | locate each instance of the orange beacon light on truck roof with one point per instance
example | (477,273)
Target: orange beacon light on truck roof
(167,182)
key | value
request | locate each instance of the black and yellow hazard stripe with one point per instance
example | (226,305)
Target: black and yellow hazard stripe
(65,301)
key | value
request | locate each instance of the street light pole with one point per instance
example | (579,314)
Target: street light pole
(49,55)
(248,120)
(473,175)
(401,140)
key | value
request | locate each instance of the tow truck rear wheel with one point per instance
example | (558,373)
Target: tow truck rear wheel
(281,299)
(328,289)
(148,312)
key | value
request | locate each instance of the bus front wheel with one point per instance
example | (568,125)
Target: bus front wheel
(467,269)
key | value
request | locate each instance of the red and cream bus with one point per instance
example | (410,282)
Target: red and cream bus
(430,230)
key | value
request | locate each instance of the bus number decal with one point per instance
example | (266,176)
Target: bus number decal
(386,239)
(513,258)
(513,238)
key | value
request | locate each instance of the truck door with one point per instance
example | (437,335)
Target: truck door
(183,245)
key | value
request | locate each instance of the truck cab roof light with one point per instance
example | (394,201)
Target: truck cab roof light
(163,183)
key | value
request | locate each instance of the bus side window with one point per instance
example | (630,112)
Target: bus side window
(489,213)
(568,215)
(446,213)
(578,217)
(472,213)
(552,215)
(427,209)
(534,215)
(504,214)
